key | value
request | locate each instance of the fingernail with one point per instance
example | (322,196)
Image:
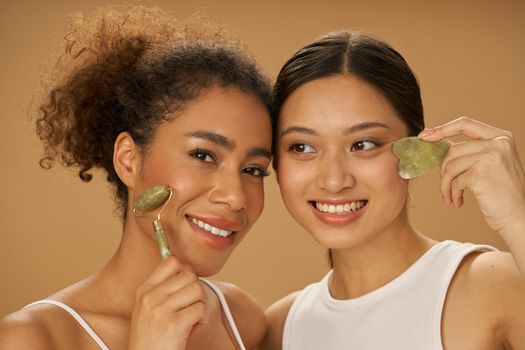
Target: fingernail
(426,132)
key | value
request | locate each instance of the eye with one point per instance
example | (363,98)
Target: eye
(363,145)
(255,171)
(203,155)
(301,148)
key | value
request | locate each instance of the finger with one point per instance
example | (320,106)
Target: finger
(189,317)
(458,186)
(453,169)
(162,305)
(179,281)
(188,295)
(153,295)
(462,149)
(463,126)
(167,268)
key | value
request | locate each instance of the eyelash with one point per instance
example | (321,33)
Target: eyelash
(300,147)
(261,173)
(375,145)
(201,155)
(294,147)
(197,153)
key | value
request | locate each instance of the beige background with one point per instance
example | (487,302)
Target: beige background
(469,57)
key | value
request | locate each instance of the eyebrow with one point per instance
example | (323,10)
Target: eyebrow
(364,126)
(223,141)
(299,130)
(349,130)
(218,139)
(260,152)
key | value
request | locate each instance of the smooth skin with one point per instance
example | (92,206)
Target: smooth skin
(214,156)
(334,146)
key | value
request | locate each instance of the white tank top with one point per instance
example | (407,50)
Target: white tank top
(404,314)
(103,346)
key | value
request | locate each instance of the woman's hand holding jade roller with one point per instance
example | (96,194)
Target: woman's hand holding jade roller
(488,164)
(169,306)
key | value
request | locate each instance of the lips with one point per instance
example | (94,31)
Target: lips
(338,213)
(215,233)
(212,229)
(340,208)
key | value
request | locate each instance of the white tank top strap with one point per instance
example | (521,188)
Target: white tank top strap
(77,317)
(227,311)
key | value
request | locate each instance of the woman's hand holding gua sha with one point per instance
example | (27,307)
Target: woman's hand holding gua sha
(488,165)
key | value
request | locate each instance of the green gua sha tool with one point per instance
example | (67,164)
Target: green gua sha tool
(150,199)
(416,156)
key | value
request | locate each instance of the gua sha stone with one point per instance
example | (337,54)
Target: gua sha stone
(417,157)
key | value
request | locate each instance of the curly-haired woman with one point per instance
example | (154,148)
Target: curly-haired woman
(152,101)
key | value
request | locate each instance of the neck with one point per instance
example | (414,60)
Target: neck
(372,264)
(129,267)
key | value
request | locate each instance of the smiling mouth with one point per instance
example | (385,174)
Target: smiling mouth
(211,229)
(341,208)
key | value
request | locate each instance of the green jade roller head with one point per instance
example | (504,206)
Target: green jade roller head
(150,199)
(417,157)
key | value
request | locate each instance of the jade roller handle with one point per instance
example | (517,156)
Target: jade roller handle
(162,241)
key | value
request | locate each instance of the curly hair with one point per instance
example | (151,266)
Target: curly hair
(127,69)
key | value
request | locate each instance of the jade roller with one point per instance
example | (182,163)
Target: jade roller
(417,157)
(153,198)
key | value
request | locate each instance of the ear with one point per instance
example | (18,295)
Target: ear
(126,159)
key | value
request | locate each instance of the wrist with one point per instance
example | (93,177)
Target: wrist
(513,232)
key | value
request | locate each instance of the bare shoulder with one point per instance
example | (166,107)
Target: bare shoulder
(248,315)
(276,318)
(491,283)
(495,272)
(25,329)
(46,326)
(498,274)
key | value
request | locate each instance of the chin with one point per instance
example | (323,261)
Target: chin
(207,268)
(338,240)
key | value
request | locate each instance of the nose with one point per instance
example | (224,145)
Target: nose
(334,173)
(228,191)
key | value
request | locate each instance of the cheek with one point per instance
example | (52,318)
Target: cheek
(384,176)
(384,167)
(294,178)
(255,195)
(158,169)
(185,184)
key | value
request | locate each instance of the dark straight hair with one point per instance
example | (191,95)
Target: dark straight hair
(358,54)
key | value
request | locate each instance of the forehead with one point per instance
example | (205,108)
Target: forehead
(225,110)
(342,99)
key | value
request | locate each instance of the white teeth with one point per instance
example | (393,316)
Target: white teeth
(340,208)
(212,229)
